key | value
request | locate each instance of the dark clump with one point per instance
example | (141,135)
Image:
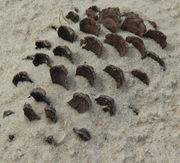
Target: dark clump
(92,44)
(87,72)
(50,140)
(141,76)
(138,44)
(39,95)
(118,42)
(157,36)
(73,16)
(110,18)
(11,137)
(134,24)
(51,113)
(43,44)
(21,76)
(63,51)
(94,8)
(116,73)
(67,33)
(29,113)
(157,59)
(154,25)
(136,111)
(80,102)
(40,58)
(7,113)
(82,133)
(108,102)
(59,75)
(89,25)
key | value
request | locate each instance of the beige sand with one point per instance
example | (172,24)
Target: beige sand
(152,136)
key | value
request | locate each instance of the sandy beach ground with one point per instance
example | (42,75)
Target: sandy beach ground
(153,136)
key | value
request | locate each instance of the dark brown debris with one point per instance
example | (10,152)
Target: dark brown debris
(92,14)
(73,16)
(51,113)
(157,36)
(11,137)
(40,58)
(82,133)
(94,8)
(63,51)
(141,76)
(54,27)
(50,140)
(88,72)
(76,9)
(117,42)
(154,25)
(80,102)
(7,113)
(108,102)
(67,33)
(116,73)
(89,25)
(92,44)
(39,94)
(59,75)
(138,44)
(136,111)
(21,76)
(157,59)
(43,44)
(134,24)
(110,18)
(29,113)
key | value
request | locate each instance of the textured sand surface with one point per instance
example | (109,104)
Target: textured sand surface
(152,136)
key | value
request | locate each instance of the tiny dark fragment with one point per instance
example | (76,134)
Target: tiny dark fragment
(63,51)
(92,44)
(94,8)
(76,9)
(73,16)
(141,76)
(157,36)
(39,94)
(134,24)
(7,113)
(88,72)
(54,27)
(138,44)
(59,75)
(89,25)
(117,42)
(154,25)
(116,73)
(51,113)
(29,113)
(21,76)
(80,102)
(50,140)
(29,57)
(136,111)
(155,57)
(11,137)
(82,133)
(67,33)
(110,18)
(108,102)
(43,44)
(40,58)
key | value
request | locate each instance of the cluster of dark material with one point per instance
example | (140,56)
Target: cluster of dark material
(11,137)
(113,20)
(21,76)
(88,72)
(108,102)
(82,133)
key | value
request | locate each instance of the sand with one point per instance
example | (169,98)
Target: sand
(150,137)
